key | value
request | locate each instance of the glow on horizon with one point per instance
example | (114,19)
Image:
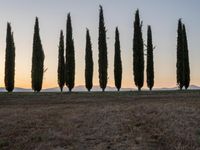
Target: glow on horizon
(162,16)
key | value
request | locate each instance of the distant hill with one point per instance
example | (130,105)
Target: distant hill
(16,90)
(194,87)
(81,88)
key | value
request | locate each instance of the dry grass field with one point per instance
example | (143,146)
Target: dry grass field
(168,120)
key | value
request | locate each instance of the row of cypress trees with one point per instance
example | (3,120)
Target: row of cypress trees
(183,70)
(66,58)
(66,65)
(138,57)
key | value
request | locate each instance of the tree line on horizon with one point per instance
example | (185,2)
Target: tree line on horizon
(66,57)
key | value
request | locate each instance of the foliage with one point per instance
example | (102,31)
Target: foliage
(102,46)
(70,56)
(9,60)
(138,53)
(150,63)
(37,60)
(61,63)
(117,61)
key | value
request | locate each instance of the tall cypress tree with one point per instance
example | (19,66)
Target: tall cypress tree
(180,56)
(61,63)
(37,60)
(70,56)
(88,62)
(138,53)
(102,46)
(117,61)
(9,60)
(150,64)
(186,60)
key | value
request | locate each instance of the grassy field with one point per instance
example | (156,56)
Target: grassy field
(165,120)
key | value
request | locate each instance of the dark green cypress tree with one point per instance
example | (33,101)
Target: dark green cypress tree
(180,56)
(186,59)
(102,46)
(138,53)
(61,63)
(117,61)
(9,60)
(150,64)
(88,63)
(70,56)
(37,60)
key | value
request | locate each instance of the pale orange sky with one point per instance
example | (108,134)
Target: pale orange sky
(161,15)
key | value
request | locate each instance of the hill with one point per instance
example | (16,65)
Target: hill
(81,88)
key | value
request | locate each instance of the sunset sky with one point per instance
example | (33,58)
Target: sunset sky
(161,15)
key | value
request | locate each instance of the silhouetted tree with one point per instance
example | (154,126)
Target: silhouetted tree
(88,63)
(70,56)
(150,64)
(102,46)
(61,63)
(186,60)
(9,60)
(138,53)
(180,56)
(37,60)
(117,61)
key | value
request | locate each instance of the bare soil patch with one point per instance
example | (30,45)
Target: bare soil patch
(167,120)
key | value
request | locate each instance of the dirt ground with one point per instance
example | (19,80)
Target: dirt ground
(167,120)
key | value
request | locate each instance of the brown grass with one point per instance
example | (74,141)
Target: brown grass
(84,121)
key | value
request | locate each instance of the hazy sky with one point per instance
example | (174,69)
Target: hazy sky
(162,15)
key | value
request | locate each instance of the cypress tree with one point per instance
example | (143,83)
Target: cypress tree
(150,64)
(70,58)
(117,61)
(37,60)
(88,62)
(180,56)
(186,60)
(138,53)
(61,63)
(102,46)
(9,60)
